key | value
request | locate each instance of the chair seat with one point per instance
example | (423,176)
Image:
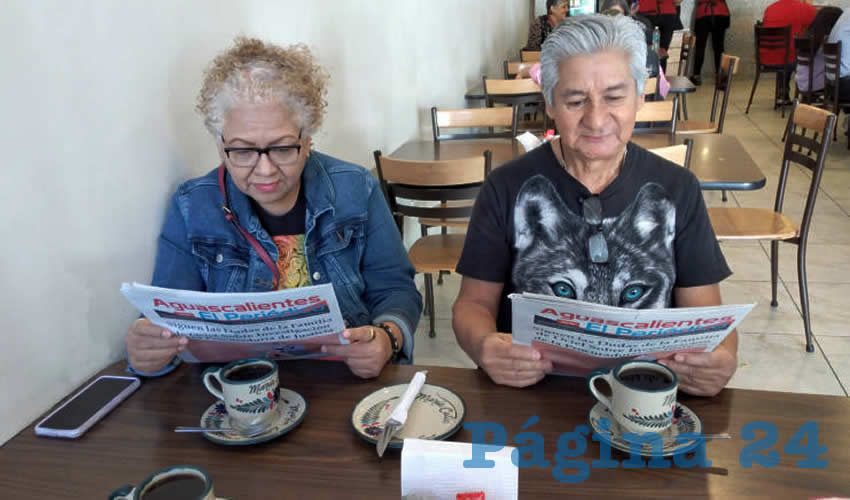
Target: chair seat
(444,222)
(695,127)
(435,253)
(734,223)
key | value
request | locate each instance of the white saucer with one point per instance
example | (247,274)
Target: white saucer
(436,414)
(291,410)
(684,420)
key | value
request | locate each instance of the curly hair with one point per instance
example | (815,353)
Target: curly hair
(253,71)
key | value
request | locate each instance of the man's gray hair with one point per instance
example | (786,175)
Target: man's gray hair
(589,34)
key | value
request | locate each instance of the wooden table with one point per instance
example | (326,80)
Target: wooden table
(719,161)
(681,85)
(323,458)
(678,85)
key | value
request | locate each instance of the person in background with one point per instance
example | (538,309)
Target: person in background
(622,7)
(841,33)
(679,25)
(556,11)
(712,18)
(818,31)
(277,214)
(661,13)
(540,222)
(614,8)
(792,13)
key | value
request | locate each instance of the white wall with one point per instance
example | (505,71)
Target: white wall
(97,101)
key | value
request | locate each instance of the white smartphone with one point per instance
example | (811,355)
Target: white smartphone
(93,402)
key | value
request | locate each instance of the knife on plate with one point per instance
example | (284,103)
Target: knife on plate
(399,415)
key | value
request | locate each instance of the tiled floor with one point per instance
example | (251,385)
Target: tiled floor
(772,352)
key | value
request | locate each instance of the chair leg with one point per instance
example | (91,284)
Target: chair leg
(774,272)
(723,194)
(684,106)
(429,298)
(445,230)
(753,91)
(804,295)
(426,278)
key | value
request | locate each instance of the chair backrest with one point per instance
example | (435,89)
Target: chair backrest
(772,39)
(407,183)
(650,87)
(805,118)
(529,56)
(502,117)
(723,83)
(803,45)
(658,113)
(512,92)
(685,54)
(512,68)
(831,74)
(680,154)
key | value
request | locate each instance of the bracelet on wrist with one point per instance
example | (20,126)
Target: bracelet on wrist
(393,342)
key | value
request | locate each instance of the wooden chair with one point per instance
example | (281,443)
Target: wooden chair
(660,117)
(523,93)
(441,190)
(650,89)
(684,69)
(723,84)
(772,39)
(474,118)
(680,154)
(803,45)
(531,56)
(832,72)
(512,68)
(737,223)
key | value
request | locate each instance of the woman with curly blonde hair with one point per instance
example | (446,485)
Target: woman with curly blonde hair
(276,214)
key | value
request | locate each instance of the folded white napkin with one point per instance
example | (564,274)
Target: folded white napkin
(399,414)
(434,469)
(529,141)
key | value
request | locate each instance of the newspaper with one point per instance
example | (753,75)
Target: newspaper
(579,337)
(288,324)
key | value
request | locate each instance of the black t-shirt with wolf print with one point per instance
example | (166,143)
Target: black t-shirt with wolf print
(527,231)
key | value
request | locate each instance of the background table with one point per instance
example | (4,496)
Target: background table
(678,85)
(323,458)
(719,161)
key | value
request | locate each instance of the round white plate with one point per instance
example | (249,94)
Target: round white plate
(436,413)
(684,420)
(291,410)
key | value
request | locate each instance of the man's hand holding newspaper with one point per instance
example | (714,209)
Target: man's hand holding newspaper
(512,364)
(579,337)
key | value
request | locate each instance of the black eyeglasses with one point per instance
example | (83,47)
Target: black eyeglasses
(280,156)
(597,247)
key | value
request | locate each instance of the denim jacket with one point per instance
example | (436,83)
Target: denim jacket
(350,241)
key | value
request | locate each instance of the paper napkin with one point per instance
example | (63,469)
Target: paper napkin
(434,469)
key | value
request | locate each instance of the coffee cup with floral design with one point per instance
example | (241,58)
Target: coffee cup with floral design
(250,391)
(643,395)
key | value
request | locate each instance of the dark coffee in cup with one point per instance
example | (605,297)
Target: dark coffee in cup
(250,372)
(645,379)
(178,487)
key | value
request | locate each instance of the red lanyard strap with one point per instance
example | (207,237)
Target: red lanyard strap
(231,217)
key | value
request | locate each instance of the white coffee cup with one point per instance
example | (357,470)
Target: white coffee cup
(643,395)
(250,391)
(181,481)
